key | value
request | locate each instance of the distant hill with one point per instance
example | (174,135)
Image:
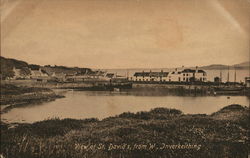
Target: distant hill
(244,66)
(214,67)
(7,65)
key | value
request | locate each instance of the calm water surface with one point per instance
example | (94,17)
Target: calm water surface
(84,104)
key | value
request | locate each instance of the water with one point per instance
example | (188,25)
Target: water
(86,104)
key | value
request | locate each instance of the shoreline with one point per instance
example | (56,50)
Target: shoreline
(13,96)
(179,88)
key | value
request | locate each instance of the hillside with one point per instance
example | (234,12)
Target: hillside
(66,70)
(215,67)
(8,64)
(243,65)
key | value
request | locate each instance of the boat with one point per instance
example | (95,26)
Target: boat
(229,89)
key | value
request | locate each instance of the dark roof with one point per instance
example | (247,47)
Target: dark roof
(110,75)
(80,74)
(192,71)
(141,74)
(201,71)
(34,68)
(179,72)
(45,72)
(188,71)
(153,74)
(59,73)
(95,73)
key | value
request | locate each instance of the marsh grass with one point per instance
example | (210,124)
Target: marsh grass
(70,138)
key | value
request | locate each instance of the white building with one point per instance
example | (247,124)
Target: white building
(39,74)
(200,75)
(247,81)
(185,75)
(59,76)
(150,76)
(175,76)
(23,73)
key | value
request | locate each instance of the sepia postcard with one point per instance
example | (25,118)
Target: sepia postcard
(125,79)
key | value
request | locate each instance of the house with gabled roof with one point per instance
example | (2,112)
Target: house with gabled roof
(21,73)
(175,76)
(39,74)
(110,75)
(184,75)
(187,75)
(59,76)
(150,76)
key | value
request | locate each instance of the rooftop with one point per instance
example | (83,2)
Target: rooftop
(153,74)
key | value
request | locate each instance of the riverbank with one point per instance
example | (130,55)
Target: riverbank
(159,132)
(14,96)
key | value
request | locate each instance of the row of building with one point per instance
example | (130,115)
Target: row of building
(40,74)
(185,75)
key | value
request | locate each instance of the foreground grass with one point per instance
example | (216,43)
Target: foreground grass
(159,133)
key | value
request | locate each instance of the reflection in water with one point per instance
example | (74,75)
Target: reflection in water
(85,104)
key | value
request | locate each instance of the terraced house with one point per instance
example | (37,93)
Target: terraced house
(185,75)
(150,76)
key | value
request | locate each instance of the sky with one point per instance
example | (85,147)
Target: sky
(126,33)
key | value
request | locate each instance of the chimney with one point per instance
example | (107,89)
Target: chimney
(196,69)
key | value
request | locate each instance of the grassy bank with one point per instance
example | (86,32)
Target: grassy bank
(15,96)
(160,132)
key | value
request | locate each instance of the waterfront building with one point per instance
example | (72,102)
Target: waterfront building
(217,79)
(110,75)
(119,79)
(185,75)
(175,76)
(247,82)
(59,76)
(38,73)
(23,73)
(200,75)
(150,76)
